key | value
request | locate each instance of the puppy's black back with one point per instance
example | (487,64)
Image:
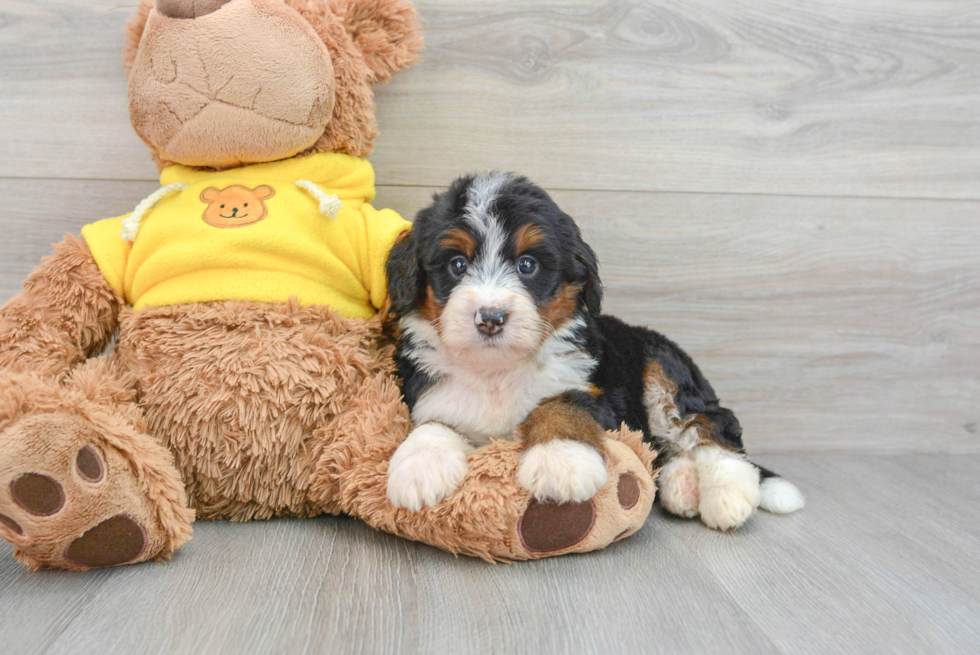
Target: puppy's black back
(625,353)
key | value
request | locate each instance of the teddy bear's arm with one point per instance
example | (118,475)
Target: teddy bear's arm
(66,312)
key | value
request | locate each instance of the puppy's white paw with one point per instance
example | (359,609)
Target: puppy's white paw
(426,467)
(729,487)
(562,471)
(679,493)
(780,496)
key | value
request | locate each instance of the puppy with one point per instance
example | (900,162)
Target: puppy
(497,303)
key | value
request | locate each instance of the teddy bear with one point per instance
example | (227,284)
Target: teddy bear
(217,352)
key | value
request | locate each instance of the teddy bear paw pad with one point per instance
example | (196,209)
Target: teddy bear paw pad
(116,540)
(628,490)
(547,527)
(11,524)
(37,494)
(89,465)
(615,512)
(74,503)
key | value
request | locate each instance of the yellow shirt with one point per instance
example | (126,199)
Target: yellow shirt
(251,233)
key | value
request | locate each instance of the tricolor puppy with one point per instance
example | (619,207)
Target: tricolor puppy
(497,300)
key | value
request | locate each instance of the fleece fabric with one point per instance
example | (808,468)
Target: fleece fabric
(251,233)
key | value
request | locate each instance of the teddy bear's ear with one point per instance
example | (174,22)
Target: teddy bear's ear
(210,194)
(264,192)
(386,32)
(134,32)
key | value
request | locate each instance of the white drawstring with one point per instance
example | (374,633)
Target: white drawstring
(131,224)
(329,204)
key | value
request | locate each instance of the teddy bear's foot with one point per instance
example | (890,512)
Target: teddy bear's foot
(492,515)
(70,499)
(617,510)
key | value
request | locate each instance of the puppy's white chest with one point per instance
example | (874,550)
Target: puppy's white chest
(493,405)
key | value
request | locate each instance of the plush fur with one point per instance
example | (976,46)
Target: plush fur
(368,41)
(66,312)
(44,426)
(498,301)
(243,410)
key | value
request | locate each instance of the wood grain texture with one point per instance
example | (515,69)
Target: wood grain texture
(334,585)
(826,323)
(879,561)
(834,97)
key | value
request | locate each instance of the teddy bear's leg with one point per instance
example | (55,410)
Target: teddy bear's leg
(491,515)
(82,484)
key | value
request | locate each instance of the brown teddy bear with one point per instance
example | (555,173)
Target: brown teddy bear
(249,377)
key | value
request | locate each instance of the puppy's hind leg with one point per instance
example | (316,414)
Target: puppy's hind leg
(705,473)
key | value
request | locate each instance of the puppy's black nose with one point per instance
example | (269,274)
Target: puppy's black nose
(490,320)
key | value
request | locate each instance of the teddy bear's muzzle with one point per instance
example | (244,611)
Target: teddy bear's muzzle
(188,8)
(245,81)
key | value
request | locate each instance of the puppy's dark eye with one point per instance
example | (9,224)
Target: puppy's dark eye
(457,265)
(527,266)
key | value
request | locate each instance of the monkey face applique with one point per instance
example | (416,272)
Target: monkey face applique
(236,205)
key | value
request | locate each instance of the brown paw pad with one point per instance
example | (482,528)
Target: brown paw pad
(628,490)
(116,540)
(38,494)
(89,464)
(546,527)
(11,524)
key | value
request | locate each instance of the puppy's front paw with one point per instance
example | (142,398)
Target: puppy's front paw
(426,467)
(562,471)
(729,488)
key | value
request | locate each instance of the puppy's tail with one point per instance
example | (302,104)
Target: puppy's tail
(779,496)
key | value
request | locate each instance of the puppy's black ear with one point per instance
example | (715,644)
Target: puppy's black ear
(406,277)
(592,289)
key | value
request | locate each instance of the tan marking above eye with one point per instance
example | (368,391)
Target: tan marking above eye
(528,236)
(460,240)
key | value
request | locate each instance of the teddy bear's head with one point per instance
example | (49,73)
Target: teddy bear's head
(222,83)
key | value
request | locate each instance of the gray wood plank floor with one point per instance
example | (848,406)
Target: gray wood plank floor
(789,189)
(878,562)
